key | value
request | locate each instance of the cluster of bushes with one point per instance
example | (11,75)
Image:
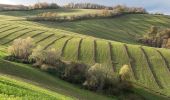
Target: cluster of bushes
(156,37)
(44,5)
(97,77)
(105,13)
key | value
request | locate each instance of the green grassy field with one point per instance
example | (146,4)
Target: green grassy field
(102,41)
(122,29)
(42,79)
(17,90)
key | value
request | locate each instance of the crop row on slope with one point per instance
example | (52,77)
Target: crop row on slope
(89,52)
(141,67)
(158,66)
(71,49)
(13,89)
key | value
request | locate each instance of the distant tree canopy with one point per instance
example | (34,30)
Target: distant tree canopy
(44,5)
(119,8)
(85,6)
(4,7)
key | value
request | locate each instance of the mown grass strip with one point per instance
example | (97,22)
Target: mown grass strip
(142,70)
(87,51)
(150,67)
(45,38)
(166,54)
(37,34)
(71,49)
(164,60)
(119,56)
(64,46)
(8,29)
(131,64)
(158,66)
(17,37)
(103,54)
(3,26)
(52,42)
(12,33)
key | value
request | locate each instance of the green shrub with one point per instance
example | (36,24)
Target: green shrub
(75,72)
(41,56)
(98,76)
(124,73)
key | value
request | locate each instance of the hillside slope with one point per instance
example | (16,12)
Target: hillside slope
(122,29)
(17,90)
(150,67)
(34,76)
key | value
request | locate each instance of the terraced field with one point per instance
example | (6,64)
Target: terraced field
(16,90)
(143,60)
(150,67)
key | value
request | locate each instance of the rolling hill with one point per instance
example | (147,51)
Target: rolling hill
(102,41)
(17,90)
(22,74)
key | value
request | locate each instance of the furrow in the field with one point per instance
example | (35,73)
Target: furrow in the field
(131,64)
(52,42)
(4,26)
(141,67)
(9,38)
(166,55)
(60,44)
(32,34)
(12,37)
(10,33)
(95,51)
(87,51)
(71,49)
(103,54)
(164,60)
(6,29)
(157,66)
(37,34)
(119,56)
(43,43)
(79,49)
(45,36)
(111,53)
(40,36)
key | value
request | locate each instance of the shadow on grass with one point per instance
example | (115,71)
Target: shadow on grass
(148,95)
